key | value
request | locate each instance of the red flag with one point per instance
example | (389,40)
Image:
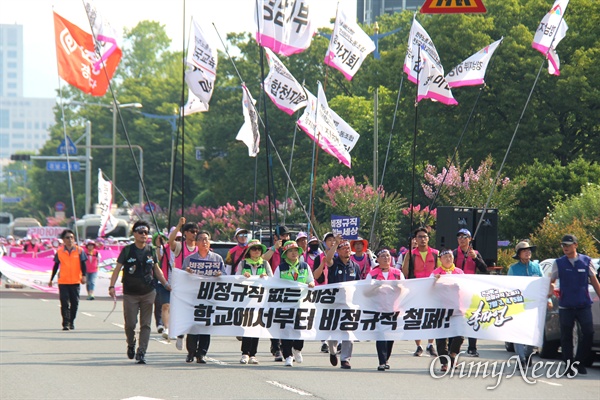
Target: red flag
(76,58)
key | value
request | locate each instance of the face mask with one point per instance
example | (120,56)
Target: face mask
(313,247)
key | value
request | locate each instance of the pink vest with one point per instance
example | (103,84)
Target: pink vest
(469,264)
(91,264)
(164,262)
(441,271)
(186,252)
(393,274)
(364,264)
(424,269)
(325,268)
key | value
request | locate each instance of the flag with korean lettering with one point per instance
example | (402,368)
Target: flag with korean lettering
(348,47)
(281,86)
(317,122)
(284,26)
(201,61)
(108,222)
(106,36)
(78,63)
(348,135)
(423,66)
(551,30)
(471,72)
(249,133)
(194,104)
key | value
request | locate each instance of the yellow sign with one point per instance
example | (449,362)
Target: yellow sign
(453,7)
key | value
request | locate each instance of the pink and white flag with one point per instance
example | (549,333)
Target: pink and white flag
(317,121)
(108,222)
(348,135)
(106,37)
(552,29)
(201,63)
(281,86)
(471,72)
(284,26)
(348,47)
(249,133)
(422,65)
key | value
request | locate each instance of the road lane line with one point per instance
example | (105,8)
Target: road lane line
(289,388)
(88,314)
(45,300)
(119,325)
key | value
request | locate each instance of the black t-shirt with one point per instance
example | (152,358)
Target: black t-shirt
(340,272)
(138,267)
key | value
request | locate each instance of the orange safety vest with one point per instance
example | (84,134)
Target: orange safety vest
(70,266)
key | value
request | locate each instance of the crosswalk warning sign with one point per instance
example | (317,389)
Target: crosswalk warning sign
(453,7)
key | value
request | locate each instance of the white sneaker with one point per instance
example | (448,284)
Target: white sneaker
(253,360)
(297,356)
(289,361)
(244,360)
(165,334)
(179,343)
(160,328)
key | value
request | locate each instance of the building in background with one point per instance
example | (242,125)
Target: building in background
(24,121)
(367,11)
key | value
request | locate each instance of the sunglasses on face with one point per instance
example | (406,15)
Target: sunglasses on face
(463,237)
(243,235)
(142,232)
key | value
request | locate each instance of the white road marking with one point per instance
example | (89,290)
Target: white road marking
(550,383)
(161,340)
(26,294)
(119,325)
(141,398)
(289,388)
(45,300)
(214,360)
(88,314)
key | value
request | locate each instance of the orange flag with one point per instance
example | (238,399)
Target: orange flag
(76,58)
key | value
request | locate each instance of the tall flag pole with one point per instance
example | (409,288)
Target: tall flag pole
(551,30)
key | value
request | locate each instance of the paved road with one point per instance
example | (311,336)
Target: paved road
(40,361)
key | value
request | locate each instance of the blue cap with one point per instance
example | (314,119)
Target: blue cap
(464,232)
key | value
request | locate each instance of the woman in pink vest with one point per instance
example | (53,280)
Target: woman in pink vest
(383,271)
(91,267)
(447,268)
(362,256)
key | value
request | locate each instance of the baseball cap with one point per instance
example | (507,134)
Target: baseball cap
(568,239)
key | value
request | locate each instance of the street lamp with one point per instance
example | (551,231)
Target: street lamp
(116,104)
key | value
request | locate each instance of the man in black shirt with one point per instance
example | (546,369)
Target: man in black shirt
(140,266)
(341,269)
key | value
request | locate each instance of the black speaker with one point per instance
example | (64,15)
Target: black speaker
(486,240)
(452,219)
(449,221)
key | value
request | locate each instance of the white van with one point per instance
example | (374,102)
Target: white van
(88,226)
(5,220)
(18,228)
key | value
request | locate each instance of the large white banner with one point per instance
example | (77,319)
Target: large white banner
(348,47)
(500,308)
